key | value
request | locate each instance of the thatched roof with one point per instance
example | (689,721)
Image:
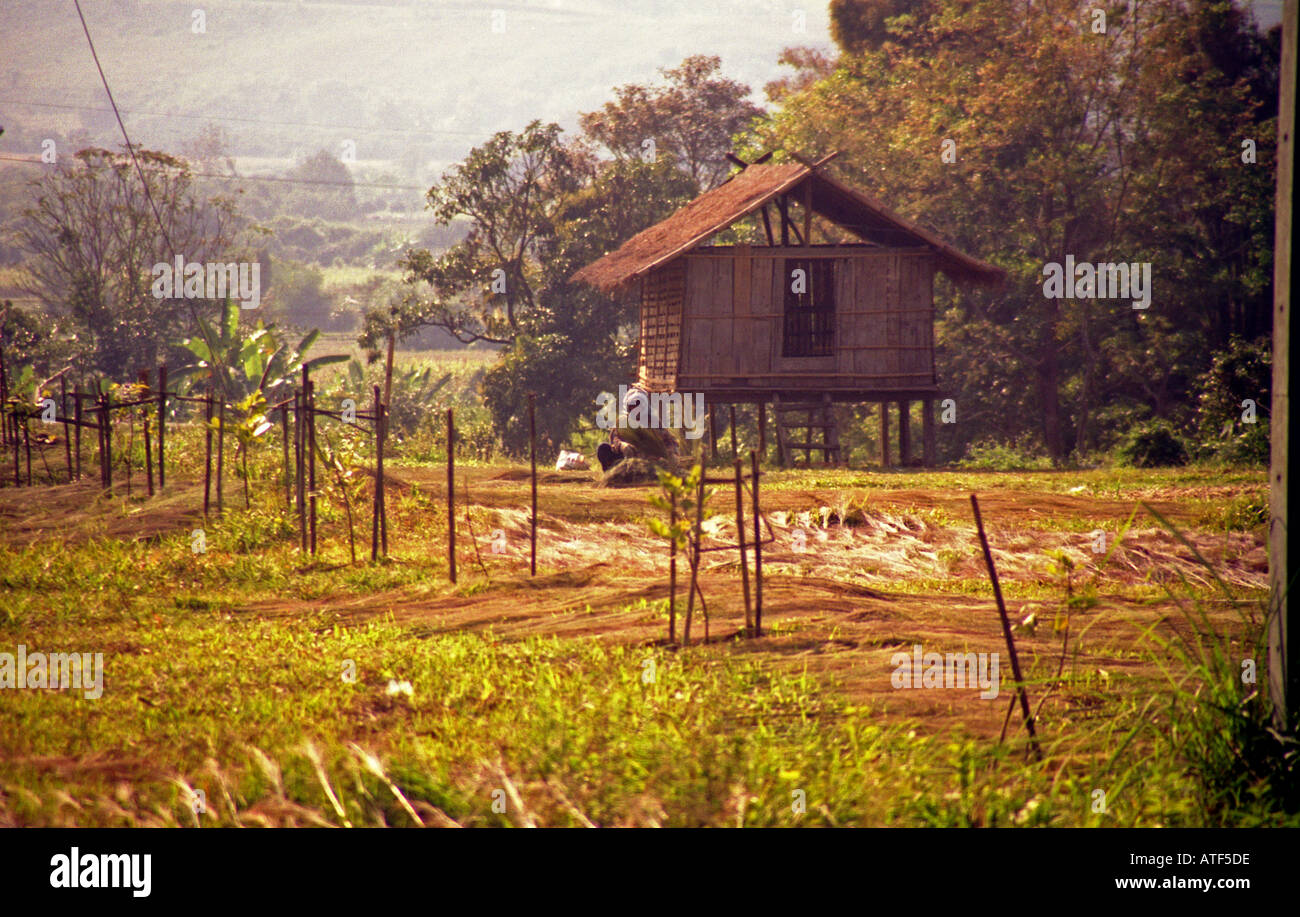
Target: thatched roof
(749,190)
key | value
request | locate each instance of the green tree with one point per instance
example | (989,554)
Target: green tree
(1115,145)
(692,118)
(92,237)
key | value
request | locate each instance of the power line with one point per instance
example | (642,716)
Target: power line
(218,358)
(266,178)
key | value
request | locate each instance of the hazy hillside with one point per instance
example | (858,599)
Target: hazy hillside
(410,81)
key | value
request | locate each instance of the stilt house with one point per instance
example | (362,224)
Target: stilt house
(797,324)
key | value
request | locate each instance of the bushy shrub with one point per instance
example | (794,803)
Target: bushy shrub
(1233,403)
(1152,444)
(1022,455)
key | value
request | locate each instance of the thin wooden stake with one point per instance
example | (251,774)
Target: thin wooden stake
(107,422)
(221,455)
(300,479)
(374,496)
(310,447)
(284,449)
(694,548)
(63,410)
(27,447)
(451,495)
(740,539)
(1006,629)
(207,453)
(148,456)
(76,428)
(379,476)
(162,426)
(672,571)
(758,548)
(532,454)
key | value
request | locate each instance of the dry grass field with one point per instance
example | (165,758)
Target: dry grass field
(226,673)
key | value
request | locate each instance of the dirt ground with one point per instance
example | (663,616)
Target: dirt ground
(838,600)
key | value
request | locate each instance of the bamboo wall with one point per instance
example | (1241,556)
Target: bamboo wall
(732,321)
(661,323)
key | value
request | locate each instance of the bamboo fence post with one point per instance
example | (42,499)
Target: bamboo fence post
(300,480)
(162,425)
(694,548)
(148,457)
(106,413)
(207,452)
(383,495)
(63,409)
(76,428)
(740,538)
(11,424)
(451,494)
(758,549)
(27,447)
(130,445)
(374,497)
(284,449)
(221,455)
(1006,629)
(672,570)
(311,461)
(378,536)
(532,452)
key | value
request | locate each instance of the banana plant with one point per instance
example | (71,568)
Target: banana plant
(250,423)
(256,360)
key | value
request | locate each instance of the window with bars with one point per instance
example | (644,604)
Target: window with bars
(809,307)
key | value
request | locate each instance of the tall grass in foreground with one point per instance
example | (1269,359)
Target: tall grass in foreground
(1217,715)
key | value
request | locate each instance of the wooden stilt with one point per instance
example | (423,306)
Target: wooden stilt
(904,433)
(761,409)
(884,434)
(928,456)
(735,453)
